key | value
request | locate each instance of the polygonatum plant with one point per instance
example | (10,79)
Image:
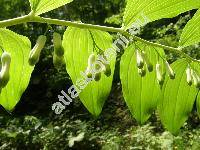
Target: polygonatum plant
(149,82)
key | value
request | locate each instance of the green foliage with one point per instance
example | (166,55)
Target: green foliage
(140,93)
(177,98)
(155,10)
(39,7)
(191,32)
(139,80)
(20,71)
(198,104)
(79,44)
(55,132)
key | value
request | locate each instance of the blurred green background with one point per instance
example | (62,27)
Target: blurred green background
(33,125)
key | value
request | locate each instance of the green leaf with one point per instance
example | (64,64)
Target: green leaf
(41,6)
(197,69)
(191,32)
(177,98)
(20,71)
(141,93)
(155,10)
(78,45)
(198,104)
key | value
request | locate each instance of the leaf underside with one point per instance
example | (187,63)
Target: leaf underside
(78,45)
(140,93)
(191,32)
(177,98)
(155,10)
(20,71)
(41,6)
(197,69)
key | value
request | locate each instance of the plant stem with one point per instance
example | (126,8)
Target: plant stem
(172,49)
(14,21)
(75,24)
(31,18)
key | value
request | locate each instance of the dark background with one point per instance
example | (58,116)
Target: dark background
(33,125)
